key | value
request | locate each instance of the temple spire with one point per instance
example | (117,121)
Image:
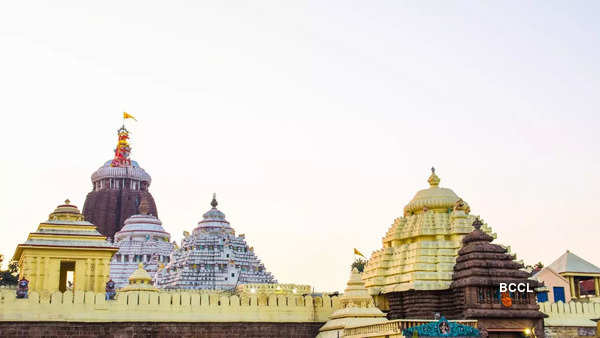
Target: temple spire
(433,180)
(214,202)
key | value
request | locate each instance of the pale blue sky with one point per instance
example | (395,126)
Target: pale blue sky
(315,122)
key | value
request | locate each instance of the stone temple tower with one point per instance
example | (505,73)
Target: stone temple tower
(118,188)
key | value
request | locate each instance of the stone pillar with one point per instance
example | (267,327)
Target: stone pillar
(79,280)
(597,286)
(572,287)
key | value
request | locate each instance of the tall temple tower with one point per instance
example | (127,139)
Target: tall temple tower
(118,188)
(212,257)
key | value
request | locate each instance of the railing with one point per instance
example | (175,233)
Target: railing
(394,327)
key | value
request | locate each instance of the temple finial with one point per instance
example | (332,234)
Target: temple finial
(214,202)
(123,149)
(433,180)
(67,201)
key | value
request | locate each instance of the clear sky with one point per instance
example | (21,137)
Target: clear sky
(314,122)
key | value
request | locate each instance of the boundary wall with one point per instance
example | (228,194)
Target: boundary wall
(144,306)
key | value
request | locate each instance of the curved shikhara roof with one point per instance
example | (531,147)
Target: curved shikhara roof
(212,257)
(420,249)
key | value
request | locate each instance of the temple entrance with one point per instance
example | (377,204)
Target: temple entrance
(67,276)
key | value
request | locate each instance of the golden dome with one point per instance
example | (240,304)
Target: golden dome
(66,212)
(434,198)
(139,280)
(140,276)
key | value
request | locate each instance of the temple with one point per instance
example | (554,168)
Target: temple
(118,188)
(438,261)
(475,294)
(142,240)
(419,252)
(64,249)
(212,257)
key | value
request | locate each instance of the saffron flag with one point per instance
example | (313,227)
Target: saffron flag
(356,252)
(128,116)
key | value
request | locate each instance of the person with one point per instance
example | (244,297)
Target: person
(110,290)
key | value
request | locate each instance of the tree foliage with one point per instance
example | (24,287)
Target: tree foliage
(11,275)
(359,264)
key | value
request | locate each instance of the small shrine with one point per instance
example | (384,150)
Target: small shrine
(357,308)
(139,280)
(65,252)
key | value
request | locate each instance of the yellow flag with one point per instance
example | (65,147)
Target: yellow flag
(128,116)
(356,252)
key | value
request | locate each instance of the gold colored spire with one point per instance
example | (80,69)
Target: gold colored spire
(433,180)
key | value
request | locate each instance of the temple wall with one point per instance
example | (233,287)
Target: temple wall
(145,306)
(153,329)
(572,319)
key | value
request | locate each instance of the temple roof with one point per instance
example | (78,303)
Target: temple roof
(419,249)
(213,219)
(571,263)
(66,227)
(481,263)
(357,308)
(142,223)
(432,198)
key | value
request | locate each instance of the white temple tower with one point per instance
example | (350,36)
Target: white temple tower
(141,240)
(212,257)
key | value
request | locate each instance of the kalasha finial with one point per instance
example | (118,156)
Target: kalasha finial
(433,180)
(214,202)
(477,223)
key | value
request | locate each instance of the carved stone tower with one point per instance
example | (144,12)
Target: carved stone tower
(118,189)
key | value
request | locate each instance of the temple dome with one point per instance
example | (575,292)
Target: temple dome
(67,212)
(134,171)
(140,280)
(142,223)
(433,198)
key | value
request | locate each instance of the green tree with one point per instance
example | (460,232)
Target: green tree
(359,264)
(10,276)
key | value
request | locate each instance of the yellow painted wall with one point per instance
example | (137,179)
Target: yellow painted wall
(41,266)
(165,307)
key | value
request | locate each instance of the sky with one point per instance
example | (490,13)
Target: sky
(315,122)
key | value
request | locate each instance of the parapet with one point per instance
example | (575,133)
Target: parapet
(279,289)
(144,306)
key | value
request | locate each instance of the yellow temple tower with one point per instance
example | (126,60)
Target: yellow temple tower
(65,244)
(420,249)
